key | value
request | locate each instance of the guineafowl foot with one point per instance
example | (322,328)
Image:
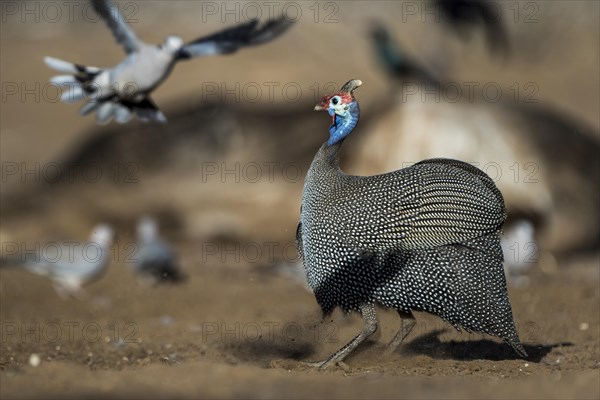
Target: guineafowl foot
(368,314)
(407,321)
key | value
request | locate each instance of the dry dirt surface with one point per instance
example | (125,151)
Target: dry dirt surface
(242,326)
(239,330)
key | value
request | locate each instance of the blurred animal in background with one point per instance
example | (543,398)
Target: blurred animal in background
(421,238)
(124,90)
(203,202)
(545,162)
(155,260)
(70,265)
(520,251)
(397,62)
(464,16)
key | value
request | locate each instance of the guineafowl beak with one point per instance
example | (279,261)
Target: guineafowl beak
(319,107)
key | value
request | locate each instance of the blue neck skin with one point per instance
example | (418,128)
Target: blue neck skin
(343,125)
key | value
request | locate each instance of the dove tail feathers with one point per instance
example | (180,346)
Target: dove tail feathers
(76,86)
(70,68)
(122,111)
(84,83)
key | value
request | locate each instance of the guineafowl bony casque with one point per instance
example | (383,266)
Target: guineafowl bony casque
(421,238)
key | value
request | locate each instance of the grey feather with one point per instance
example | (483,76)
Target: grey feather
(155,258)
(71,265)
(124,35)
(124,90)
(232,39)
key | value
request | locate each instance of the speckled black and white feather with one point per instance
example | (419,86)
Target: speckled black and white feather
(421,238)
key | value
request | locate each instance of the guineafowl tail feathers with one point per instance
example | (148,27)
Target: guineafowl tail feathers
(518,347)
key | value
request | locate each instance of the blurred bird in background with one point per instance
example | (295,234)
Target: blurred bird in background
(397,62)
(71,265)
(520,251)
(155,260)
(124,90)
(464,16)
(545,162)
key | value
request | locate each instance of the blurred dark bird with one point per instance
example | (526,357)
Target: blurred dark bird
(125,89)
(154,258)
(544,161)
(420,238)
(70,265)
(464,16)
(397,62)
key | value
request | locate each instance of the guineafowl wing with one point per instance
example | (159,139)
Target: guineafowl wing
(430,204)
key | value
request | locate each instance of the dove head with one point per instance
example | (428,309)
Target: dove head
(147,230)
(102,235)
(343,108)
(173,44)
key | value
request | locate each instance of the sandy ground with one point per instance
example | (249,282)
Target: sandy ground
(241,325)
(239,330)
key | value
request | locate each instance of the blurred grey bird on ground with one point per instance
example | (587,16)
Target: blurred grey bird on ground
(71,265)
(520,251)
(124,89)
(155,259)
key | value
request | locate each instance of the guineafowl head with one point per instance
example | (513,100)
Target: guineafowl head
(343,108)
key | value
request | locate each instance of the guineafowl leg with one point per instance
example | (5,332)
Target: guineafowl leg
(368,314)
(407,323)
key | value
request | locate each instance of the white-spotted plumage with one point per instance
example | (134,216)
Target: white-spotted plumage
(422,238)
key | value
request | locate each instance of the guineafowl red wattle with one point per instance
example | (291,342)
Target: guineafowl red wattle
(421,238)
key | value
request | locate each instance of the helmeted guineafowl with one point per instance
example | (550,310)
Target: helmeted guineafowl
(422,238)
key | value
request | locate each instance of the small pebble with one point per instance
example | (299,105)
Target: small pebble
(34,360)
(584,326)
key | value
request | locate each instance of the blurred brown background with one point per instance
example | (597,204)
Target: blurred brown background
(198,176)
